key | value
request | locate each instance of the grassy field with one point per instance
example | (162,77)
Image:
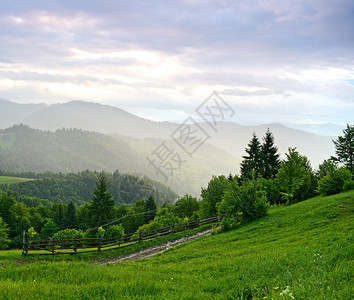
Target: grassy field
(10,180)
(303,251)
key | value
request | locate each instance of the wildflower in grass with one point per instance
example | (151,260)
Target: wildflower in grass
(287,294)
(276,287)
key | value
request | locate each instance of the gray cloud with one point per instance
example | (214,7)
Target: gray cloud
(265,45)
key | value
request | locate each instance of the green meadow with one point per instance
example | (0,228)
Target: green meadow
(302,251)
(11,180)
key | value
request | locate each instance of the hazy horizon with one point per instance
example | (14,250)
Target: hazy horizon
(320,128)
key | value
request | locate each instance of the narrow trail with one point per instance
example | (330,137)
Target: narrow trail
(153,250)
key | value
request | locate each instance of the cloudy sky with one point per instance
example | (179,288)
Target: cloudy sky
(271,60)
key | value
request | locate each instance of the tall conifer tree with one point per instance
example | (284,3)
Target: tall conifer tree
(251,165)
(269,156)
(102,207)
(71,216)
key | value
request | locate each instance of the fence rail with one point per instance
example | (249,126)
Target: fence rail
(85,245)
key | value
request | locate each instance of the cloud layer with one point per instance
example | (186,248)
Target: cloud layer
(273,61)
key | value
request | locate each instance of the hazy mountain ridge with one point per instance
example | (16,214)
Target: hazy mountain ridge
(230,137)
(14,113)
(95,117)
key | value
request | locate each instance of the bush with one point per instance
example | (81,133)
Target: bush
(348,185)
(3,234)
(16,242)
(68,234)
(101,232)
(114,231)
(272,190)
(242,204)
(334,183)
(186,206)
(49,229)
(254,204)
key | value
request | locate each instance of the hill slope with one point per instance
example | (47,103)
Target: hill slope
(303,251)
(26,149)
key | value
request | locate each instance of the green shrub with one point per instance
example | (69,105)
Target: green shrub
(254,204)
(348,185)
(101,232)
(242,204)
(67,234)
(49,229)
(272,190)
(114,231)
(3,234)
(334,183)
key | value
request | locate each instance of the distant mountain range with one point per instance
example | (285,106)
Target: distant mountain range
(132,139)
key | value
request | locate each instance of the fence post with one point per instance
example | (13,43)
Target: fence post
(24,245)
(75,247)
(171,229)
(185,226)
(99,243)
(119,240)
(198,223)
(140,237)
(53,245)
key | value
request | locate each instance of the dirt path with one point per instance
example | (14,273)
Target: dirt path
(151,251)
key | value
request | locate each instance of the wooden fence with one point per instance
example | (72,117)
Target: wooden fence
(85,245)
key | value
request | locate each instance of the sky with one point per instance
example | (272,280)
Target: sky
(271,61)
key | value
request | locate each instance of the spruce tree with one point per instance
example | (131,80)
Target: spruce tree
(102,207)
(230,177)
(151,207)
(71,216)
(345,148)
(251,165)
(269,156)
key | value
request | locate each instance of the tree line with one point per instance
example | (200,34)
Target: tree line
(266,180)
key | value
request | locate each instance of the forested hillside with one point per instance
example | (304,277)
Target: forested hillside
(26,149)
(73,150)
(78,188)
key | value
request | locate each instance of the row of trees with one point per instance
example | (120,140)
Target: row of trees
(265,180)
(48,220)
(293,179)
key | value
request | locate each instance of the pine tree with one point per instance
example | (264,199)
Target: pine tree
(230,177)
(269,156)
(345,148)
(151,207)
(71,216)
(251,165)
(60,210)
(102,207)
